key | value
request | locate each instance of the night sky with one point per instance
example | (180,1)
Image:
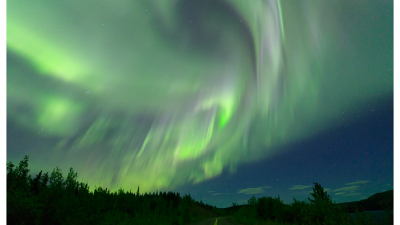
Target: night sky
(222,99)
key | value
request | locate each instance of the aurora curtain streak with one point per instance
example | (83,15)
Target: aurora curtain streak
(161,93)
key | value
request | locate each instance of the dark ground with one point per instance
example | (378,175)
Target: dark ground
(211,221)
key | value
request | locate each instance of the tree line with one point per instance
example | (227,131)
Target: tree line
(51,199)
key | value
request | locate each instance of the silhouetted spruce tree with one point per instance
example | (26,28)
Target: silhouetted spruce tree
(21,174)
(77,189)
(10,176)
(319,193)
(35,184)
(252,201)
(56,180)
(70,182)
(22,206)
(44,181)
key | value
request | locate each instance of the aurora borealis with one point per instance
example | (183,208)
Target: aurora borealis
(169,93)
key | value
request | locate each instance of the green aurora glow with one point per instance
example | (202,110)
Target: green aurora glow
(133,92)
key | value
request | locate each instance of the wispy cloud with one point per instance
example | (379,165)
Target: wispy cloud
(340,193)
(347,189)
(249,191)
(358,182)
(351,188)
(215,193)
(352,194)
(299,187)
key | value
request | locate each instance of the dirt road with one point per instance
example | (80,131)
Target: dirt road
(216,221)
